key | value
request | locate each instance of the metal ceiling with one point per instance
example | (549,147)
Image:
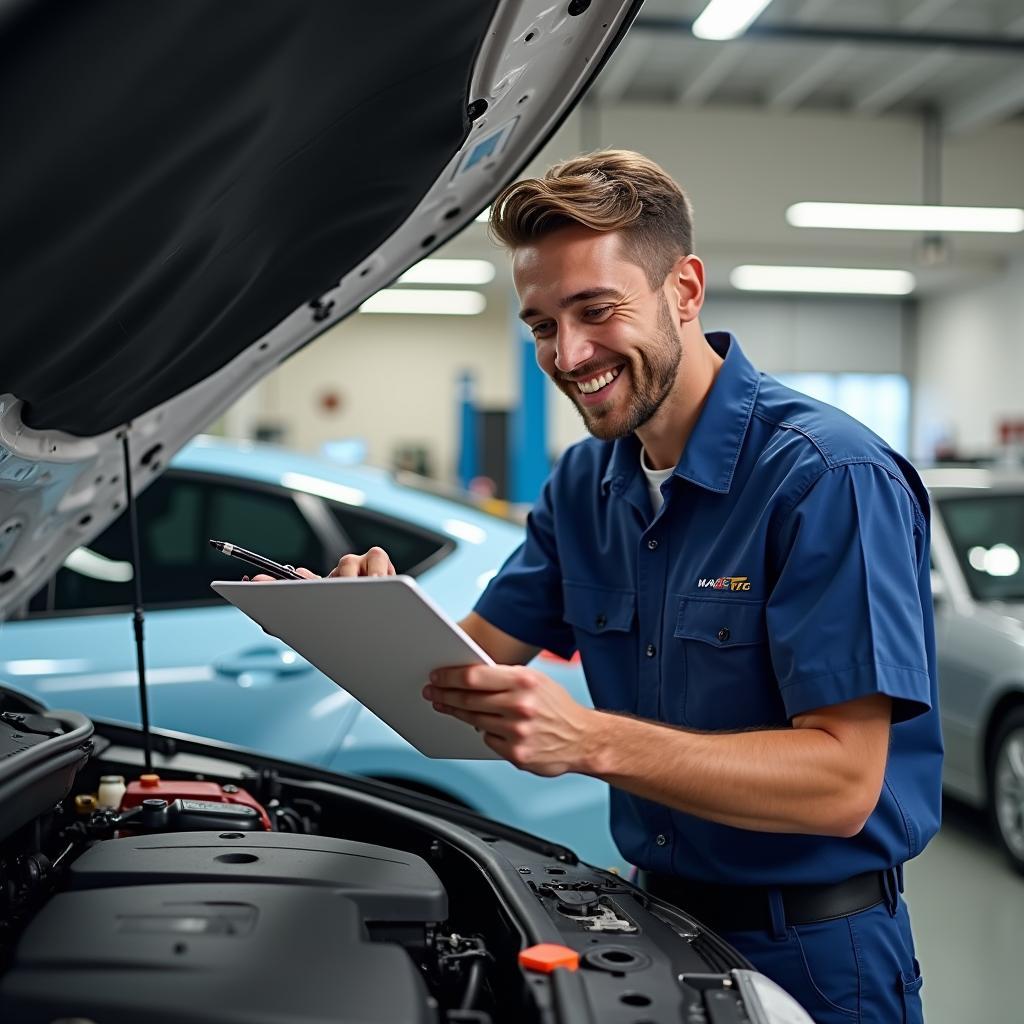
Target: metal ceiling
(962,59)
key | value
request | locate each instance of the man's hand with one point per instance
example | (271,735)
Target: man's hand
(523,715)
(374,563)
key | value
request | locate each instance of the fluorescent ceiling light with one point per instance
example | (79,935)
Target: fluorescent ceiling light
(449,272)
(484,215)
(423,301)
(892,217)
(727,19)
(842,280)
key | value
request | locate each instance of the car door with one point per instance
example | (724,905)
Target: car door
(210,670)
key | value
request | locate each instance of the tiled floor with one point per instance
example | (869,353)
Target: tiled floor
(967,908)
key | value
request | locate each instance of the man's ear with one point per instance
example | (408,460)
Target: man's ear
(686,287)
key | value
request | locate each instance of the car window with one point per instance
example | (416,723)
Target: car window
(988,536)
(178,513)
(412,548)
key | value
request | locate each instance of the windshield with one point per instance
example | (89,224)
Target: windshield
(988,535)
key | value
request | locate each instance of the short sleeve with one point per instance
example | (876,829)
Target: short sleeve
(847,615)
(525,598)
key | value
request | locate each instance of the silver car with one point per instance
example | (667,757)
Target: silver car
(978,587)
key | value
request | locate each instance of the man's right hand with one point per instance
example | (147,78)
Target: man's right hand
(375,562)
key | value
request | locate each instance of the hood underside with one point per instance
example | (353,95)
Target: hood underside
(179,178)
(192,191)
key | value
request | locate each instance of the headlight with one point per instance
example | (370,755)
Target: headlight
(766,1002)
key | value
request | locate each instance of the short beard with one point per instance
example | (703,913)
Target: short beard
(658,369)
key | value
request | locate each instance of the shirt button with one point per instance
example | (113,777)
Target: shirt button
(652,544)
(650,650)
(601,621)
(723,634)
(661,839)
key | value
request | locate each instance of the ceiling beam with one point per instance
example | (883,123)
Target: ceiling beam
(809,10)
(880,96)
(1015,26)
(615,80)
(790,93)
(884,37)
(701,87)
(1002,99)
(793,89)
(925,12)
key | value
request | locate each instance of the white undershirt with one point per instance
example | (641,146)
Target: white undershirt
(655,478)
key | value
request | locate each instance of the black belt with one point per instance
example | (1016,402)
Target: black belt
(734,908)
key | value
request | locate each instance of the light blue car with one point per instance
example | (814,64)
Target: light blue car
(212,671)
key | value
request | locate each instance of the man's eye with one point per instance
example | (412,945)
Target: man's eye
(541,329)
(597,312)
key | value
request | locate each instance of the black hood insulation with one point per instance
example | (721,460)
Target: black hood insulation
(179,177)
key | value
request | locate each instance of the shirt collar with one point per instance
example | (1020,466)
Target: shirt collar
(713,449)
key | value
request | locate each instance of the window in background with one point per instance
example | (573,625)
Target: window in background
(988,536)
(881,401)
(177,514)
(410,547)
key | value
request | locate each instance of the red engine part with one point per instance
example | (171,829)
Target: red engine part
(146,786)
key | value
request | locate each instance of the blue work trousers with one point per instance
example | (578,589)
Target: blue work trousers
(859,969)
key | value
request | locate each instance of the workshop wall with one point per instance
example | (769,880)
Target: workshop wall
(396,378)
(970,365)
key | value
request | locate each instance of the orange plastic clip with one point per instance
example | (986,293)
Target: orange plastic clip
(547,956)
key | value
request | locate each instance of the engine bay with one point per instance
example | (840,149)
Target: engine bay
(224,887)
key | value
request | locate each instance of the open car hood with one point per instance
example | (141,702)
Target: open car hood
(193,191)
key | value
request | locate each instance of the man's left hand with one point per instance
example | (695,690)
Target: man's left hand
(522,715)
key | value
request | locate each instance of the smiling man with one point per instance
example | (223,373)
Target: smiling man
(745,574)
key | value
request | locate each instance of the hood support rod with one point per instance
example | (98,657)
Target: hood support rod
(137,617)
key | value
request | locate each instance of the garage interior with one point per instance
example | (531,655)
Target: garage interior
(916,329)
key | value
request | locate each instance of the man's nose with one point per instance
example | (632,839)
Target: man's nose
(572,349)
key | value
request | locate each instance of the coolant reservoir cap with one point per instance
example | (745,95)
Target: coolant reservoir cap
(546,956)
(149,781)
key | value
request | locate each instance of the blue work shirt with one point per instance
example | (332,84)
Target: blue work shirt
(787,570)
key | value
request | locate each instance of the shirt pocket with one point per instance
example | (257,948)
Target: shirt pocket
(727,680)
(602,620)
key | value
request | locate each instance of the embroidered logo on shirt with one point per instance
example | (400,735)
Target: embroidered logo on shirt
(726,583)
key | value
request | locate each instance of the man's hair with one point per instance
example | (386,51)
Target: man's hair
(610,190)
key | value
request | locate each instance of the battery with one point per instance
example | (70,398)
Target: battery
(146,787)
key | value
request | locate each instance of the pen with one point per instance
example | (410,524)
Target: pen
(278,571)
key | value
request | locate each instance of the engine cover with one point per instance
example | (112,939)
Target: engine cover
(209,954)
(386,884)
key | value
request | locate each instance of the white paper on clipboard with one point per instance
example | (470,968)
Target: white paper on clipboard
(378,637)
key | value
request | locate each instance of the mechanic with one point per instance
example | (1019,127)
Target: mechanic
(745,574)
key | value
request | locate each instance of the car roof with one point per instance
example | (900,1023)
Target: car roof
(359,485)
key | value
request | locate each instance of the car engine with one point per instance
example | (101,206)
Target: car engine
(224,887)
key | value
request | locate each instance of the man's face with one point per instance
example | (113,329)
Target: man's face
(607,340)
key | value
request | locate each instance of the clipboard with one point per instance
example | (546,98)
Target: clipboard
(378,637)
